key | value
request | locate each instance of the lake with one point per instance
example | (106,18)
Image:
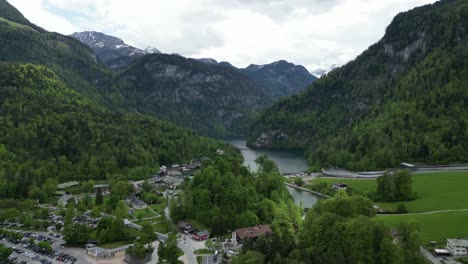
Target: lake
(288,161)
(306,198)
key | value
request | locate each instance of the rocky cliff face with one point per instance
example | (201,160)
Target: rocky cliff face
(387,105)
(280,78)
(213,100)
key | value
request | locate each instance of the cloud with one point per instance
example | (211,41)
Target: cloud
(314,33)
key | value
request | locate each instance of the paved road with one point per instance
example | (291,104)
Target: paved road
(435,212)
(208,259)
(429,256)
(339,173)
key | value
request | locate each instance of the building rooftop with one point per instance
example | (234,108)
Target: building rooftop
(254,231)
(67,184)
(458,242)
(103,185)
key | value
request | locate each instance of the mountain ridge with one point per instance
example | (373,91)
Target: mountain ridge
(351,117)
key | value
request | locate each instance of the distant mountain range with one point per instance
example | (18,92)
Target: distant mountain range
(112,51)
(277,79)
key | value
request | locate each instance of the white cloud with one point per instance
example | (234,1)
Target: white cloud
(315,33)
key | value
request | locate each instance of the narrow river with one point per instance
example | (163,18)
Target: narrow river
(288,161)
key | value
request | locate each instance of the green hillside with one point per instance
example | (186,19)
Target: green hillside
(50,132)
(403,99)
(210,99)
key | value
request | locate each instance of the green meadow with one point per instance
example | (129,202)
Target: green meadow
(435,191)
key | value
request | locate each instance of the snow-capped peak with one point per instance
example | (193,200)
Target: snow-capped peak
(151,50)
(324,71)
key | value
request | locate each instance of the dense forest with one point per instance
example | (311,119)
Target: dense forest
(225,196)
(210,99)
(403,99)
(48,131)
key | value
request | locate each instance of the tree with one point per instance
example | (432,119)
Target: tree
(45,245)
(299,182)
(148,234)
(99,198)
(169,251)
(5,252)
(77,234)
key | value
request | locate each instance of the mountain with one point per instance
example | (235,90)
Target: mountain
(277,79)
(112,51)
(224,100)
(207,61)
(280,78)
(74,62)
(323,71)
(151,50)
(213,100)
(12,14)
(403,99)
(51,132)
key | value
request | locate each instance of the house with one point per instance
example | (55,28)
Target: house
(104,188)
(68,184)
(135,202)
(339,186)
(395,236)
(194,166)
(184,227)
(250,232)
(201,235)
(457,246)
(158,180)
(137,185)
(174,173)
(65,199)
(99,253)
(408,166)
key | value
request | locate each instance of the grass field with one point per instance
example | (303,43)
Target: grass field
(435,191)
(362,185)
(434,227)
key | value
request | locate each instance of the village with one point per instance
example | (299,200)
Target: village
(141,203)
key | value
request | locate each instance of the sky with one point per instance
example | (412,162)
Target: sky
(313,33)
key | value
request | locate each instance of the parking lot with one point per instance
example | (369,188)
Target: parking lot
(26,252)
(209,259)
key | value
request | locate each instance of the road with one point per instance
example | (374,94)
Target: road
(429,256)
(340,173)
(188,245)
(435,212)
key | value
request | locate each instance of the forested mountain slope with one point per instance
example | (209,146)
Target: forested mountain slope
(280,78)
(212,100)
(403,99)
(208,99)
(49,131)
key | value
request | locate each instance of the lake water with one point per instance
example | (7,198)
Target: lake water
(306,198)
(288,162)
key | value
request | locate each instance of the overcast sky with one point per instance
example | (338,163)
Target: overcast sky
(314,33)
